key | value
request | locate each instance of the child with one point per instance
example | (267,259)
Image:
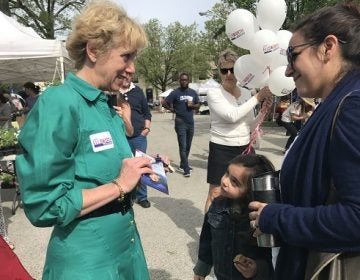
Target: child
(226,241)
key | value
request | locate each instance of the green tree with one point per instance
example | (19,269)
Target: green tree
(214,38)
(172,50)
(46,17)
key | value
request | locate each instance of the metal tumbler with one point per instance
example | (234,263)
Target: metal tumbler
(265,188)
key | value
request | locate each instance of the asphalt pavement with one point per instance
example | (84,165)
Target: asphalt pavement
(170,228)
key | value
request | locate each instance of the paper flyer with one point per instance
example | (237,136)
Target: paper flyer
(158,180)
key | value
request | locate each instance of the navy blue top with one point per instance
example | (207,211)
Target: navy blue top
(303,221)
(178,98)
(139,110)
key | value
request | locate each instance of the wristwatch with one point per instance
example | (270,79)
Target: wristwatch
(148,128)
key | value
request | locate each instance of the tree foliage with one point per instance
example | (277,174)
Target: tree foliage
(46,17)
(215,38)
(171,50)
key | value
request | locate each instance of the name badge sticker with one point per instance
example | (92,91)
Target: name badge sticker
(101,141)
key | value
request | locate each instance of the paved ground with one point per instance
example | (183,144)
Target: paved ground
(170,228)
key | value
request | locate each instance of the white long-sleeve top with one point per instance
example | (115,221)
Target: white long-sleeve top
(231,118)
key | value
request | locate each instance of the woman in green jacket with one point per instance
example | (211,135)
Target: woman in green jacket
(77,172)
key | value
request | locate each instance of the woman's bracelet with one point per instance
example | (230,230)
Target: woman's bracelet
(122,193)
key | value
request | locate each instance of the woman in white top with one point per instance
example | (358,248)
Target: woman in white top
(297,111)
(232,115)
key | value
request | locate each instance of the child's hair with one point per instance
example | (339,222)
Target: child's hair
(256,165)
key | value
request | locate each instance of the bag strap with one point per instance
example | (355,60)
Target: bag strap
(337,112)
(331,197)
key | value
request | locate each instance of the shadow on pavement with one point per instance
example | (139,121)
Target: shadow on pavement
(186,217)
(158,274)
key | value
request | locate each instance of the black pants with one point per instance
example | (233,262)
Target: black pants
(292,130)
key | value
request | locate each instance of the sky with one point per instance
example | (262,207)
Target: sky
(168,11)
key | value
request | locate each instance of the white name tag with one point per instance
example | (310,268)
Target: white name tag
(101,141)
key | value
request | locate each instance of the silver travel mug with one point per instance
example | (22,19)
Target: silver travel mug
(265,188)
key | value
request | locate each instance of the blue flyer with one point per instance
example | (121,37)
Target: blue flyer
(156,180)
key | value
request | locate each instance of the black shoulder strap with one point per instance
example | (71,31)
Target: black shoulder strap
(337,112)
(331,198)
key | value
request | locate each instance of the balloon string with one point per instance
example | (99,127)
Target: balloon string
(257,131)
(267,69)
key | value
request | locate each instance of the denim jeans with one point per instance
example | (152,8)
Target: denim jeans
(139,143)
(185,133)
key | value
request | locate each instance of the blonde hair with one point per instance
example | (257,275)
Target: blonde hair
(107,26)
(227,56)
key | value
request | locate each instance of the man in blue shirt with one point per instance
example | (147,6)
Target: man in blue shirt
(141,121)
(183,101)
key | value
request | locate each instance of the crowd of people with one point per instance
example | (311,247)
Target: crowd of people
(85,180)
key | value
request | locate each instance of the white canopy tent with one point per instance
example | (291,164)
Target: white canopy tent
(166,93)
(209,84)
(24,56)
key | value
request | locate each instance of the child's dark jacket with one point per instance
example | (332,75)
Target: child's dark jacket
(226,233)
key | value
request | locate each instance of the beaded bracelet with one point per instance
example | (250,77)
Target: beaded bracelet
(122,193)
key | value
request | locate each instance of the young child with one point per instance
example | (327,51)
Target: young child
(226,241)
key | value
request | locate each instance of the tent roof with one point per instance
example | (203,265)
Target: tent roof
(24,56)
(209,84)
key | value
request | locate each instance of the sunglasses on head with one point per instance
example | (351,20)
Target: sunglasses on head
(224,71)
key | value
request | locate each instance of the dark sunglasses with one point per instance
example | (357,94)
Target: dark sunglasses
(291,55)
(224,71)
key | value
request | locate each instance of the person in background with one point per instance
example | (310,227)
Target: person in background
(320,175)
(77,173)
(183,101)
(281,106)
(141,122)
(5,110)
(232,118)
(226,241)
(122,108)
(32,92)
(297,111)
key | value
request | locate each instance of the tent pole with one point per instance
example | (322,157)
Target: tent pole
(62,71)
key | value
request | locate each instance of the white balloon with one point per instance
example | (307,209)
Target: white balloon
(249,72)
(265,45)
(279,84)
(284,37)
(271,14)
(240,28)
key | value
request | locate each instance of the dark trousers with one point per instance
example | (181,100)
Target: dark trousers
(292,130)
(139,143)
(185,133)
